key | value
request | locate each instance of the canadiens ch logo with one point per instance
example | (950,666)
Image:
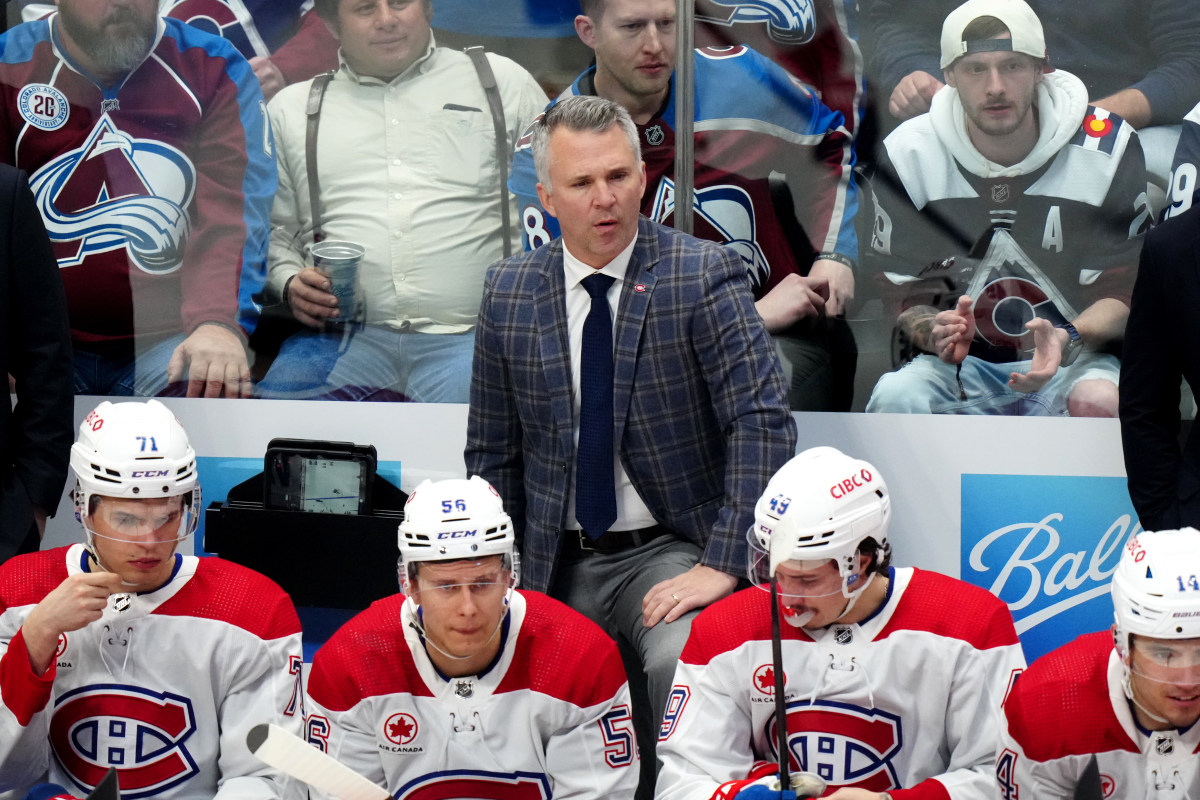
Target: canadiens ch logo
(844,744)
(141,733)
(43,106)
(400,729)
(117,192)
(764,679)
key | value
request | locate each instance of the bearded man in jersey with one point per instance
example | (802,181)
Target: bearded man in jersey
(123,653)
(463,686)
(892,677)
(1016,208)
(1132,695)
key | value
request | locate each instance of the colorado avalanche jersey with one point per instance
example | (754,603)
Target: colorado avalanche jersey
(550,718)
(156,192)
(1184,187)
(746,141)
(904,702)
(815,40)
(164,690)
(254,27)
(1070,707)
(1046,243)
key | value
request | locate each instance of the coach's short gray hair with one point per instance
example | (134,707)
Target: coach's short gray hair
(579,113)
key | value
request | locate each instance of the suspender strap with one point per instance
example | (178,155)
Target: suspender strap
(316,94)
(488,80)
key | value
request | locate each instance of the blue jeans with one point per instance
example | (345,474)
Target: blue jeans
(142,374)
(372,362)
(928,385)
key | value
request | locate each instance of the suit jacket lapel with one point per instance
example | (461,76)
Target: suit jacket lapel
(550,313)
(631,317)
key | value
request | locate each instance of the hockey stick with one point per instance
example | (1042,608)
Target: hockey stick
(293,756)
(780,701)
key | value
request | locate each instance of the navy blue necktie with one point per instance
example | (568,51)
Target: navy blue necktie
(595,491)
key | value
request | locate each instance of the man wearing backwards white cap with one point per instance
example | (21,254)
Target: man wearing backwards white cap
(1025,201)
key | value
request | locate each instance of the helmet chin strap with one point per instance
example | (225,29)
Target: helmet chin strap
(1128,685)
(799,620)
(417,625)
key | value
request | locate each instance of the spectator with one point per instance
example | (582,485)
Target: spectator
(1024,203)
(1140,61)
(122,653)
(1159,353)
(285,41)
(150,160)
(795,235)
(406,152)
(1130,693)
(35,435)
(463,686)
(628,490)
(893,677)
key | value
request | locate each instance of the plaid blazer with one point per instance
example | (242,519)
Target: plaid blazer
(700,411)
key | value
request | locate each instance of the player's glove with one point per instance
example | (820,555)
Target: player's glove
(49,791)
(763,784)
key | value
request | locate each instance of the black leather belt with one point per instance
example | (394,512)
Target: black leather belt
(613,541)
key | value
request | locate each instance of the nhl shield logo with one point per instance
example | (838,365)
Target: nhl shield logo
(464,688)
(843,635)
(655,135)
(1164,745)
(1000,193)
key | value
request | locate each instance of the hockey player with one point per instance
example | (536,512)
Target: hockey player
(893,677)
(123,653)
(463,686)
(1028,204)
(1132,695)
(773,180)
(150,158)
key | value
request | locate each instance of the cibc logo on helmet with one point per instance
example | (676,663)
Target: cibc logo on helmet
(847,485)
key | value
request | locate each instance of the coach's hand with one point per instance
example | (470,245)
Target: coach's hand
(696,588)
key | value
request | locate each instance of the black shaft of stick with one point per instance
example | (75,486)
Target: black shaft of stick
(780,702)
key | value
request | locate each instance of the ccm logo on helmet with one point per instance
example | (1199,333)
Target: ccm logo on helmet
(457,534)
(150,473)
(848,485)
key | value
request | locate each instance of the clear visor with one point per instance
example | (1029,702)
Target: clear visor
(816,578)
(1165,660)
(141,521)
(432,582)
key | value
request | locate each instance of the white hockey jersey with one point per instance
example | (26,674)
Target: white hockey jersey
(904,702)
(550,718)
(1071,706)
(165,691)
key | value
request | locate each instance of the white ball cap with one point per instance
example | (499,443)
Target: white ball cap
(1017,16)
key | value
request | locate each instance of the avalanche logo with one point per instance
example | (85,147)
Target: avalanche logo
(229,20)
(844,744)
(139,732)
(730,212)
(117,192)
(464,783)
(789,22)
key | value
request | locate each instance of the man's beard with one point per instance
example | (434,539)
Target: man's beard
(114,54)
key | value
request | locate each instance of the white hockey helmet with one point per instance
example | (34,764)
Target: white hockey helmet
(821,505)
(134,450)
(1154,590)
(455,519)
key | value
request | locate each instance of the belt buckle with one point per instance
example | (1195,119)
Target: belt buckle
(586,543)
